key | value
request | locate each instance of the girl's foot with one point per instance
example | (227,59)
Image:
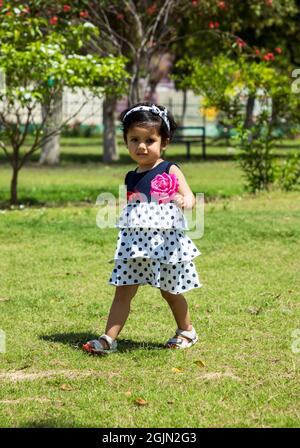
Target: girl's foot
(183,339)
(101,346)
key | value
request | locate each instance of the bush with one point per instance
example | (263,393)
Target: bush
(287,175)
(77,129)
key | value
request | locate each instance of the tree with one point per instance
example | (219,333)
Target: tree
(233,27)
(58,17)
(36,67)
(227,84)
(137,30)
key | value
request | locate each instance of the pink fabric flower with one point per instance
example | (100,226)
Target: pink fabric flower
(164,187)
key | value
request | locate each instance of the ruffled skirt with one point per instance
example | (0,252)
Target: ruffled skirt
(152,215)
(158,256)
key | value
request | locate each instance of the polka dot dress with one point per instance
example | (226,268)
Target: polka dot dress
(152,248)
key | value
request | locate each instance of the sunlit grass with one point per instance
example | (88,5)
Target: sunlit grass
(54,295)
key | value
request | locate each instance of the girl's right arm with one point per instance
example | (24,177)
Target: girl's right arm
(185,197)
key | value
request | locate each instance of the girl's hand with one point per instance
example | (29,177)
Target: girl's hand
(179,200)
(184,201)
(185,197)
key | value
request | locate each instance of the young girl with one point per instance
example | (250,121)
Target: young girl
(152,247)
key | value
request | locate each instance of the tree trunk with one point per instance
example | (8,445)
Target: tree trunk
(51,148)
(183,110)
(14,187)
(274,116)
(249,111)
(135,92)
(110,150)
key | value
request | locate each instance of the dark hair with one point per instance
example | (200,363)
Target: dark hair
(147,118)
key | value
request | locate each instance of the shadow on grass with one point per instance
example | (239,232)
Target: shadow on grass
(26,200)
(30,202)
(33,202)
(75,340)
(69,159)
(48,423)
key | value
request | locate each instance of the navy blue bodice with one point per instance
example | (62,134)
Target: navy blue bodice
(141,182)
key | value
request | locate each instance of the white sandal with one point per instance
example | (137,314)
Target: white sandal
(180,343)
(96,347)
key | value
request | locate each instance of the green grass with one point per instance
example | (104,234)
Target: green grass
(54,295)
(54,275)
(81,175)
(58,186)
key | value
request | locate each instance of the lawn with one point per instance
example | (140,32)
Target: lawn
(81,175)
(54,295)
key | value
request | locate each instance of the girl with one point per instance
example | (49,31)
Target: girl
(152,247)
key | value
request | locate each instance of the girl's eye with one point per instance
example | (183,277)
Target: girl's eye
(150,140)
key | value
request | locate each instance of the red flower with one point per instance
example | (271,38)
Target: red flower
(194,2)
(269,57)
(217,25)
(1,3)
(84,14)
(211,25)
(222,5)
(120,16)
(269,2)
(151,10)
(67,8)
(257,51)
(53,20)
(278,50)
(240,42)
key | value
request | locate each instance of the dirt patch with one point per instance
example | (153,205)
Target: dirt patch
(20,375)
(24,400)
(220,375)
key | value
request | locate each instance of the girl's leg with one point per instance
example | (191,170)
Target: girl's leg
(119,310)
(179,308)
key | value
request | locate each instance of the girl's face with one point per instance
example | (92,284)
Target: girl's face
(144,145)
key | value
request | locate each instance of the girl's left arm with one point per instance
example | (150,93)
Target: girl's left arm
(185,198)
